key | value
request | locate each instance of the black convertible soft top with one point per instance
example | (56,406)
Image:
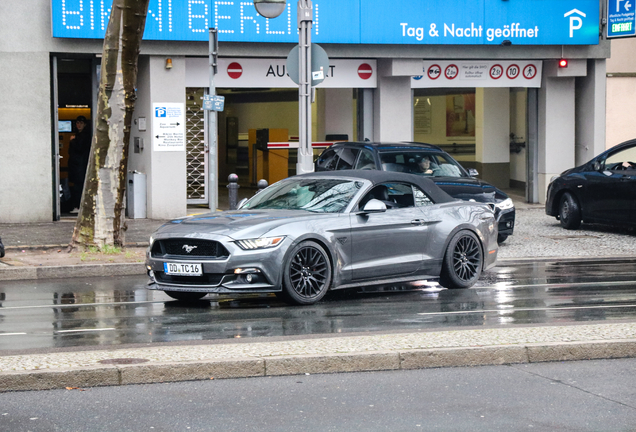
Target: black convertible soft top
(376,177)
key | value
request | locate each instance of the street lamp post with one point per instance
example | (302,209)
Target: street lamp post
(272,9)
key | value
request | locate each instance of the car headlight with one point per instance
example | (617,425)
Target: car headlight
(259,243)
(505,204)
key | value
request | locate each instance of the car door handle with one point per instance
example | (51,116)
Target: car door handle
(418,222)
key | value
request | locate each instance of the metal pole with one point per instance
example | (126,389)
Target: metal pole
(213,190)
(305,151)
(532,154)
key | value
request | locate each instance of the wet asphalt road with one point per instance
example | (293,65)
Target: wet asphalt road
(62,313)
(587,396)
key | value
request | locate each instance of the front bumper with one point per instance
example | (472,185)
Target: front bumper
(506,221)
(219,275)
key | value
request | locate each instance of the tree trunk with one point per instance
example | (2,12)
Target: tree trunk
(101,219)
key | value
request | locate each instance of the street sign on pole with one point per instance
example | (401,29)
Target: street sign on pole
(621,18)
(319,64)
(213,103)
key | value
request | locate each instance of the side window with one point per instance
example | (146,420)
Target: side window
(401,194)
(421,199)
(347,158)
(393,195)
(327,161)
(365,161)
(622,160)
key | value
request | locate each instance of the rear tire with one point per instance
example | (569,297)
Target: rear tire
(569,212)
(186,296)
(463,261)
(306,274)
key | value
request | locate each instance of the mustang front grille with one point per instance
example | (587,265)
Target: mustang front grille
(188,248)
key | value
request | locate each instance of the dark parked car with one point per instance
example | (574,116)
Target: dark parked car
(445,171)
(307,234)
(600,191)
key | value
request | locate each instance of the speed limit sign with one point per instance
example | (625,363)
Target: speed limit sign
(513,71)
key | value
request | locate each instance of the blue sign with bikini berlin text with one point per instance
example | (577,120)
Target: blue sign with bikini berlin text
(412,22)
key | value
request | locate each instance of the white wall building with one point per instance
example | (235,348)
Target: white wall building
(463,76)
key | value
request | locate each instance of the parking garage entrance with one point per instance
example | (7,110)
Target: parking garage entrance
(261,98)
(477,112)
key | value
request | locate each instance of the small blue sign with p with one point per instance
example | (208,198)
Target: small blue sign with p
(160,112)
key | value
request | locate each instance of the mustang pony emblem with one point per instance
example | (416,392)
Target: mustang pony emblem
(189,248)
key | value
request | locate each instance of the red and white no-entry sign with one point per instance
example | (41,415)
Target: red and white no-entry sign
(234,70)
(365,71)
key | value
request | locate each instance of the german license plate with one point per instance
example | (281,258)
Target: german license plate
(181,269)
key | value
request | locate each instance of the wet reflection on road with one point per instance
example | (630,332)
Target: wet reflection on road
(119,310)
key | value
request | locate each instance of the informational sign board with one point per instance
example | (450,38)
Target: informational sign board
(449,22)
(621,18)
(213,103)
(500,73)
(272,73)
(168,127)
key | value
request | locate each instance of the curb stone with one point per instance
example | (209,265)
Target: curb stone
(61,272)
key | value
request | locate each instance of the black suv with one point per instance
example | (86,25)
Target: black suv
(425,160)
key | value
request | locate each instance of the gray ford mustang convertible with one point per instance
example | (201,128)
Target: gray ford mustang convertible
(312,233)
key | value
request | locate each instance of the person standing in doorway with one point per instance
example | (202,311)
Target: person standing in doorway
(78,154)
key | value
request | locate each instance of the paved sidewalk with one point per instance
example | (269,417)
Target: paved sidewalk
(536,237)
(323,355)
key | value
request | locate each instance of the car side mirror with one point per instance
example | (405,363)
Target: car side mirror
(241,203)
(374,206)
(473,172)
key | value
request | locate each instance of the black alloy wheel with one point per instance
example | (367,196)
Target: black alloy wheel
(569,212)
(307,274)
(463,261)
(186,296)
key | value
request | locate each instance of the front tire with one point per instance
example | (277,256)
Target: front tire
(501,238)
(463,261)
(307,274)
(188,297)
(569,212)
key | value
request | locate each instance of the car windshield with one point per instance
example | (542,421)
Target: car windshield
(432,164)
(315,195)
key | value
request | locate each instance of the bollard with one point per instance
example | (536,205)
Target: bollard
(262,184)
(233,188)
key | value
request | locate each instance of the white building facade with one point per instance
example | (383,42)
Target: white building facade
(480,79)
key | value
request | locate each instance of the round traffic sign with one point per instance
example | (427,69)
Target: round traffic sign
(434,71)
(496,71)
(529,72)
(365,71)
(513,71)
(234,70)
(451,71)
